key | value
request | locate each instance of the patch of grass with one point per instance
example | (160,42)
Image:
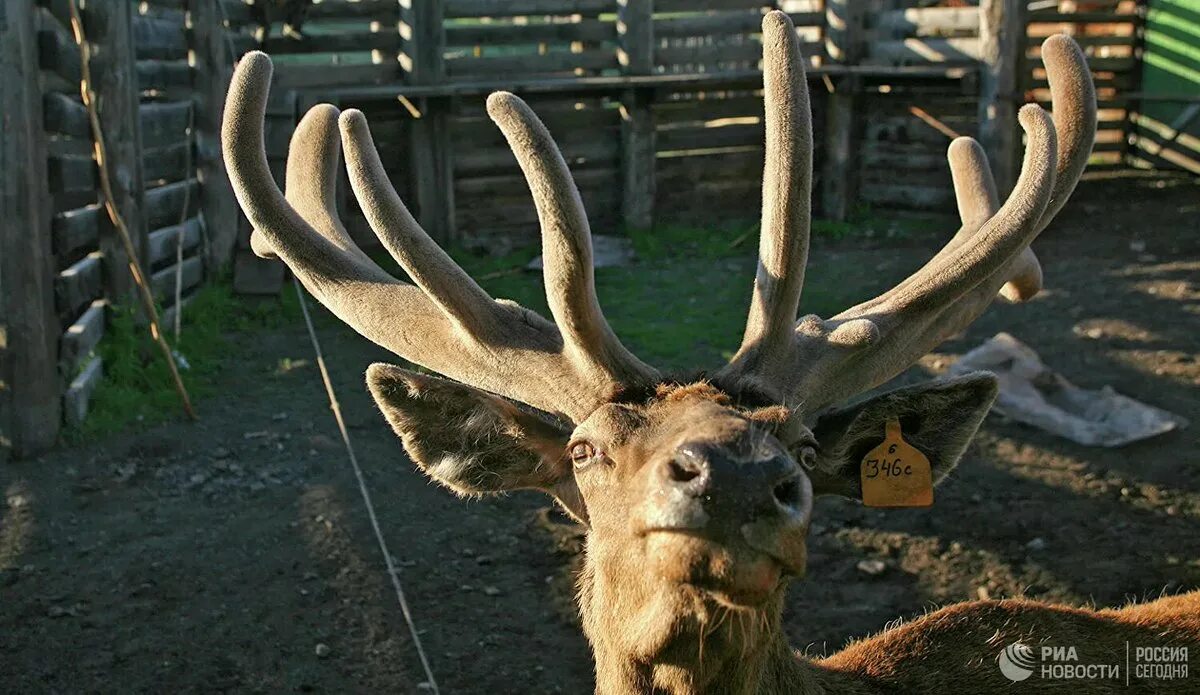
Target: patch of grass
(137,386)
(681,305)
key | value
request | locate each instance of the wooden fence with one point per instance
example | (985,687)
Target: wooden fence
(160,85)
(656,105)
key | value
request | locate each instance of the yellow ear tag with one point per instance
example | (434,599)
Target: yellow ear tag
(895,474)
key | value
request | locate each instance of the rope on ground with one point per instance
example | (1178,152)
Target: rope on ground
(118,222)
(334,406)
(362,488)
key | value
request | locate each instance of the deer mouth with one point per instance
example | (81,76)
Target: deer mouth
(735,575)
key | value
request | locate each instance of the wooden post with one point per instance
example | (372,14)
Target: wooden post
(635,50)
(431,156)
(1001,44)
(115,83)
(843,46)
(31,390)
(213,71)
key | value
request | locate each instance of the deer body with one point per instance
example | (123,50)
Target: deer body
(953,649)
(696,494)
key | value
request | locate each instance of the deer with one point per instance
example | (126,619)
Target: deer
(696,491)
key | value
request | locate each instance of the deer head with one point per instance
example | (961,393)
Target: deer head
(697,494)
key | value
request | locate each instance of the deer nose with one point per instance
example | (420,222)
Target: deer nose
(721,479)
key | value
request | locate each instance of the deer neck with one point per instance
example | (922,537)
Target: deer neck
(680,642)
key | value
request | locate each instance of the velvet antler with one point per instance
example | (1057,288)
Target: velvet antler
(444,321)
(814,362)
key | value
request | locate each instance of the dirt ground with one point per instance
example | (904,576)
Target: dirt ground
(235,555)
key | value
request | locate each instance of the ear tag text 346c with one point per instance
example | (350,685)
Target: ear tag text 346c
(895,474)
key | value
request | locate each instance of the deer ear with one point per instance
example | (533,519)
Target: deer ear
(939,418)
(474,442)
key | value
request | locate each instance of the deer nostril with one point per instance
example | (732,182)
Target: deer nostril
(787,493)
(683,471)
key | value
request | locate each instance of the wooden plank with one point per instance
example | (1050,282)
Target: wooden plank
(66,115)
(927,21)
(1001,49)
(491,35)
(639,145)
(236,12)
(430,148)
(158,39)
(79,394)
(115,85)
(636,37)
(79,284)
(918,51)
(81,337)
(78,229)
(340,42)
(513,184)
(500,158)
(30,407)
(844,45)
(213,72)
(162,282)
(425,47)
(725,23)
(1089,41)
(638,138)
(163,76)
(166,164)
(70,173)
(57,53)
(164,204)
(736,135)
(709,54)
(667,6)
(60,10)
(1119,64)
(1084,17)
(531,63)
(917,197)
(358,9)
(161,244)
(708,109)
(163,122)
(515,8)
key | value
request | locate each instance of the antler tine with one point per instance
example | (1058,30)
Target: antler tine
(786,196)
(455,292)
(281,230)
(1074,100)
(975,192)
(312,168)
(566,245)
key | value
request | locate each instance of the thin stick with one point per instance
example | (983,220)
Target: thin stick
(101,154)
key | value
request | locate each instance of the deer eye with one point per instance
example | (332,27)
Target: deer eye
(582,453)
